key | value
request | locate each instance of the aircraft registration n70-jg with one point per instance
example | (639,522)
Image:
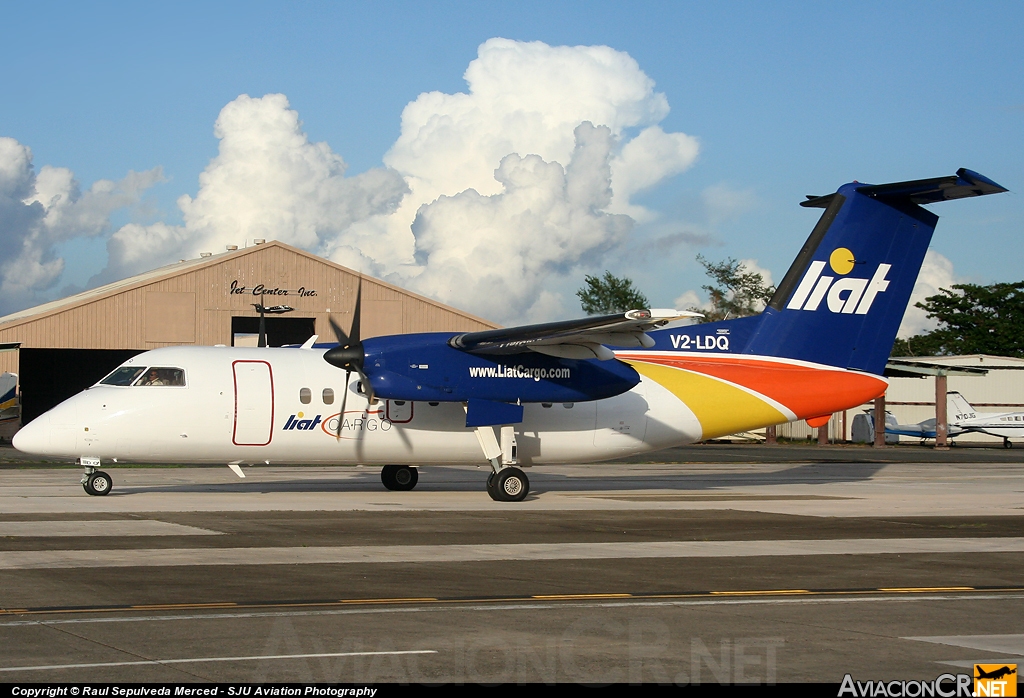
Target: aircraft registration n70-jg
(577,391)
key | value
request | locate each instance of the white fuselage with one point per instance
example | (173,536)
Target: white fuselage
(1007,425)
(252,405)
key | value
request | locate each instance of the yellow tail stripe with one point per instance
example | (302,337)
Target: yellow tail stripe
(721,408)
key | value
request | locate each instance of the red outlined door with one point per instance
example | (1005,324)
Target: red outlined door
(254,403)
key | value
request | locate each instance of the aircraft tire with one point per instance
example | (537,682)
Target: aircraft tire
(1007,443)
(399,478)
(509,485)
(99,484)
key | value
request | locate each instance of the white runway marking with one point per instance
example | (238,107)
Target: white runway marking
(376,554)
(999,644)
(199,660)
(120,527)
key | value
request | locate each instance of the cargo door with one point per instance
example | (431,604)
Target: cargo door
(254,403)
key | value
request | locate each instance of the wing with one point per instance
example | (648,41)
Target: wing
(573,339)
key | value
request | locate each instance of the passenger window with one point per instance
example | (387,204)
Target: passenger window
(162,376)
(305,396)
(125,375)
(328,396)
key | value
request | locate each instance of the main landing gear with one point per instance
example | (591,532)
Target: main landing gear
(401,478)
(96,482)
(1007,443)
(508,485)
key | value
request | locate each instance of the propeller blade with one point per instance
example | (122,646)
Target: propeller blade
(367,387)
(344,399)
(354,331)
(338,332)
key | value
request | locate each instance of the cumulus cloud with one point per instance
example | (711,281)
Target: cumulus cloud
(39,211)
(524,99)
(492,199)
(936,272)
(546,220)
(267,181)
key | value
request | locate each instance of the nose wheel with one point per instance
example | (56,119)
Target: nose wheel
(97,483)
(508,485)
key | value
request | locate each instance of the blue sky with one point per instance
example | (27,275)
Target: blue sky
(784,99)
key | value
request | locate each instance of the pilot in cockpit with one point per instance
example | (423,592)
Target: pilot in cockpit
(153,378)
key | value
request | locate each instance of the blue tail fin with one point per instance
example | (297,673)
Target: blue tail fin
(842,300)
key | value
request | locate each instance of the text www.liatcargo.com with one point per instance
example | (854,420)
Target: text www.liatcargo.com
(502,371)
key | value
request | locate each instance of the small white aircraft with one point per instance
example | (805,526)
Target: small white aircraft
(578,391)
(1003,424)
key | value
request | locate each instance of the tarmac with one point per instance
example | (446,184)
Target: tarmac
(716,564)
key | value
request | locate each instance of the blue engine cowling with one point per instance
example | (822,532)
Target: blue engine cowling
(425,367)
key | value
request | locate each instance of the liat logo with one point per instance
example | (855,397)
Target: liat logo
(847,294)
(297,422)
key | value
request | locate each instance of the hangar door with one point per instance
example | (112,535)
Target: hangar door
(254,403)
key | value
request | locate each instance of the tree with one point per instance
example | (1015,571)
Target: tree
(609,294)
(972,319)
(736,291)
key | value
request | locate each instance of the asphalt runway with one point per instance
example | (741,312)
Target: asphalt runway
(742,565)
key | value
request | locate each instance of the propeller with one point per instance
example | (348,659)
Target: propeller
(349,356)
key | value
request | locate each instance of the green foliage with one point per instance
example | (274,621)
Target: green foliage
(609,294)
(735,293)
(973,320)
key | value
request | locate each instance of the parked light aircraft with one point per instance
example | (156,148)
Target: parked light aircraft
(576,391)
(962,418)
(922,430)
(1003,424)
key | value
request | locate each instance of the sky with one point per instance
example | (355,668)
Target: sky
(490,155)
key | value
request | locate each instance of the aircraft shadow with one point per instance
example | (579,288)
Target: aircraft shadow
(449,479)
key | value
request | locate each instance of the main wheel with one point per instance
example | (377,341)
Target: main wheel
(99,484)
(509,485)
(1007,443)
(400,478)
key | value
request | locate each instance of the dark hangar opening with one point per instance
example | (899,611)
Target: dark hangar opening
(280,330)
(50,376)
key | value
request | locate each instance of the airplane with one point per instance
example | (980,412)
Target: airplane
(272,310)
(923,430)
(995,673)
(576,391)
(1002,424)
(8,396)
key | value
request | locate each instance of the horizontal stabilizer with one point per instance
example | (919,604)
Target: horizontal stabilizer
(963,184)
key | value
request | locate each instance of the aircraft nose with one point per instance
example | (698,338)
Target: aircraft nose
(32,438)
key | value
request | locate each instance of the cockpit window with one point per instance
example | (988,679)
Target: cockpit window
(162,376)
(125,375)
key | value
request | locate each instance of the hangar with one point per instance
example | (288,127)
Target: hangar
(65,346)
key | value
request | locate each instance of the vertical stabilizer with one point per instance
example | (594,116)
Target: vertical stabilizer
(958,409)
(842,301)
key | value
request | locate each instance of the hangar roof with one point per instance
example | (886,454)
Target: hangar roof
(184,266)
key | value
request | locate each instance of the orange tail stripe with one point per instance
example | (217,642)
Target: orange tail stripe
(807,391)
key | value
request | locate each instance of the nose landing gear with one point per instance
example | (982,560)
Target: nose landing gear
(95,482)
